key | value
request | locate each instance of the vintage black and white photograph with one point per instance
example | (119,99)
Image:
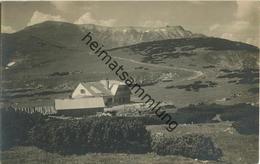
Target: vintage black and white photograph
(129,82)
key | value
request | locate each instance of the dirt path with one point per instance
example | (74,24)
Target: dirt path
(197,73)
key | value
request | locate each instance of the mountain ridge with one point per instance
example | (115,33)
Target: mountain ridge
(110,36)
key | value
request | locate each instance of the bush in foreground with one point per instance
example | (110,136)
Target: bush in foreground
(15,126)
(104,134)
(194,146)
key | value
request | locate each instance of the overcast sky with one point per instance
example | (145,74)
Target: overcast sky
(231,20)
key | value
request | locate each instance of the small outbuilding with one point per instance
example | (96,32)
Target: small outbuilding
(80,106)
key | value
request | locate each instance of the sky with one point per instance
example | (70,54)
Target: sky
(234,20)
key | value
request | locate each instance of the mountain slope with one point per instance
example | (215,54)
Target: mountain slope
(196,51)
(61,35)
(55,46)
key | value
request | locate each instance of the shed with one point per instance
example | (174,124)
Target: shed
(80,106)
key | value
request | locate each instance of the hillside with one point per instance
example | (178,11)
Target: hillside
(66,36)
(56,46)
(194,51)
(224,71)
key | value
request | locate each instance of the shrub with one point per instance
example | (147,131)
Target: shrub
(103,134)
(238,114)
(202,113)
(193,117)
(205,113)
(194,146)
(248,125)
(15,126)
(150,120)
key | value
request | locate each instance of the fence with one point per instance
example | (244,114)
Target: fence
(45,110)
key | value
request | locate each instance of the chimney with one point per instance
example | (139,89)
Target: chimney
(107,83)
